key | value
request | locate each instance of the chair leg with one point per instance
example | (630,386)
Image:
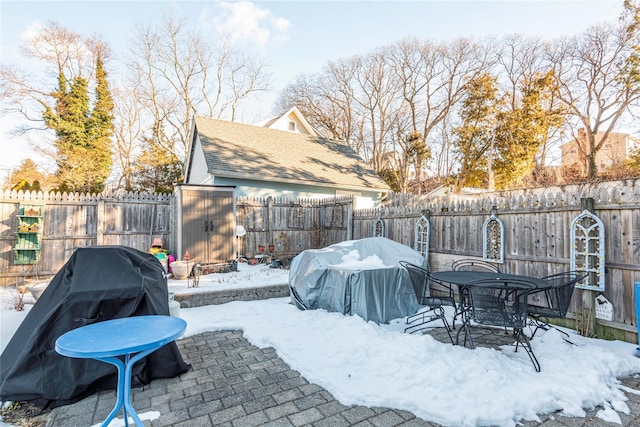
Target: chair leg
(458,310)
(465,328)
(446,324)
(526,344)
(543,323)
(437,313)
(539,323)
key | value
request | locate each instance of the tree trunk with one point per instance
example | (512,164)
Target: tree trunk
(592,165)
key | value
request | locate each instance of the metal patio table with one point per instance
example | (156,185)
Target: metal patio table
(461,278)
(495,299)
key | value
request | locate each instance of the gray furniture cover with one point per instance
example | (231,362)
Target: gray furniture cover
(359,277)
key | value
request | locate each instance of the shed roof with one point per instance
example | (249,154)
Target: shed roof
(242,151)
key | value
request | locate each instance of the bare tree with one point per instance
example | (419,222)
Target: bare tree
(593,84)
(54,50)
(388,102)
(177,72)
(353,100)
(377,107)
(325,99)
(127,132)
(450,67)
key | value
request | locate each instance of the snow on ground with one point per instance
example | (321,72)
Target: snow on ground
(362,363)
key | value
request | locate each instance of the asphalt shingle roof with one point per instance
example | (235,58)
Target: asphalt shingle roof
(236,150)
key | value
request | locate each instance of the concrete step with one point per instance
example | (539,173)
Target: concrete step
(223,296)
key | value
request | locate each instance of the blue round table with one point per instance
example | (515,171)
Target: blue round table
(132,337)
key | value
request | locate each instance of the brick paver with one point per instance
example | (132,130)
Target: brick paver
(233,383)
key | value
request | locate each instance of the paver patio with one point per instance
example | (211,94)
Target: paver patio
(233,383)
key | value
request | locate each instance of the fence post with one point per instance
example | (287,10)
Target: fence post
(350,219)
(100,219)
(269,222)
(171,243)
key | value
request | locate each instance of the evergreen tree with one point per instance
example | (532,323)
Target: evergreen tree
(522,131)
(83,147)
(157,170)
(101,128)
(69,122)
(474,138)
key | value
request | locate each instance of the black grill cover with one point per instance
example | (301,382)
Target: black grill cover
(96,284)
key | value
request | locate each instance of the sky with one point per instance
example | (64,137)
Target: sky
(363,363)
(293,37)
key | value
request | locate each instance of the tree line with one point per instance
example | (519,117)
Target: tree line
(469,112)
(483,113)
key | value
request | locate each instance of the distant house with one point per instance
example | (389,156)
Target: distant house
(280,157)
(617,148)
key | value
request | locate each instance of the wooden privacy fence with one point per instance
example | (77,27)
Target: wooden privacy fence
(536,235)
(76,220)
(292,226)
(536,230)
(131,219)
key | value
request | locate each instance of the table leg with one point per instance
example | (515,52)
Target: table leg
(128,408)
(123,395)
(121,368)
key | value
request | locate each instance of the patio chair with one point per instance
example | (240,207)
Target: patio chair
(553,301)
(419,277)
(502,304)
(468,264)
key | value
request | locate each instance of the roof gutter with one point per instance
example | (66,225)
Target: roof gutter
(299,181)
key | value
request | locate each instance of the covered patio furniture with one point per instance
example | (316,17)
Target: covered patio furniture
(356,277)
(97,283)
(421,284)
(553,302)
(499,303)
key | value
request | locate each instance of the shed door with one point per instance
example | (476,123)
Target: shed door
(207,227)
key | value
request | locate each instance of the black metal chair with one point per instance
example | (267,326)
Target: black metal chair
(421,282)
(553,302)
(501,304)
(468,264)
